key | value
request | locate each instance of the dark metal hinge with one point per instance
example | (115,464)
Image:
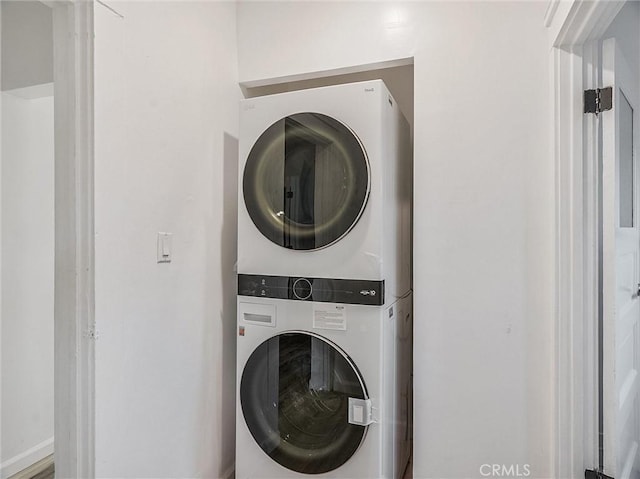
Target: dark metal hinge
(589,474)
(598,100)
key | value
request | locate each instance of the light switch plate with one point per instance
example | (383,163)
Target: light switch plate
(164,248)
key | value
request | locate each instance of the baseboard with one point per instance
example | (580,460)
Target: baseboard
(23,460)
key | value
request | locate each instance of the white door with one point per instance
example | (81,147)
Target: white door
(621,276)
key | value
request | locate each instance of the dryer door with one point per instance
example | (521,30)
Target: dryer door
(295,393)
(306,181)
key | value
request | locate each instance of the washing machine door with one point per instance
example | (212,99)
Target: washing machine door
(306,181)
(295,393)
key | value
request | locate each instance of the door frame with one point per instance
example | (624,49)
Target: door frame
(574,29)
(74,297)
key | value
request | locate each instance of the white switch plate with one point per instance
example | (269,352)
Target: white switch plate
(164,247)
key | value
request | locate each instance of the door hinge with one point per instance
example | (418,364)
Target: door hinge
(590,474)
(598,100)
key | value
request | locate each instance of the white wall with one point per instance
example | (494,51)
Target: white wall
(483,244)
(166,156)
(27,46)
(626,29)
(27,282)
(26,239)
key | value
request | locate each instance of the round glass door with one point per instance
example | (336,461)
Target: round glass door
(306,181)
(294,393)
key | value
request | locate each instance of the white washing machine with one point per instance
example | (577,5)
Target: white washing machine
(323,389)
(325,188)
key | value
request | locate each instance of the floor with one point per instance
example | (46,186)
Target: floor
(43,469)
(48,473)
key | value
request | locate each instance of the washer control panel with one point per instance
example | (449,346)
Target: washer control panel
(326,290)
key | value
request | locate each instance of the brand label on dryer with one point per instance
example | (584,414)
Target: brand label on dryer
(329,316)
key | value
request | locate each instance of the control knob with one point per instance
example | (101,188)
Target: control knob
(302,288)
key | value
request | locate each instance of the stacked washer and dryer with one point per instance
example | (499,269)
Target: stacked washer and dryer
(324,285)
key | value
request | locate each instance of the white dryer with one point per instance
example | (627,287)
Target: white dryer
(323,389)
(325,187)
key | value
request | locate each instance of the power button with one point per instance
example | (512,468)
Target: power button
(302,288)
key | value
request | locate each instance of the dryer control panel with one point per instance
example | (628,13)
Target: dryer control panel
(324,290)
